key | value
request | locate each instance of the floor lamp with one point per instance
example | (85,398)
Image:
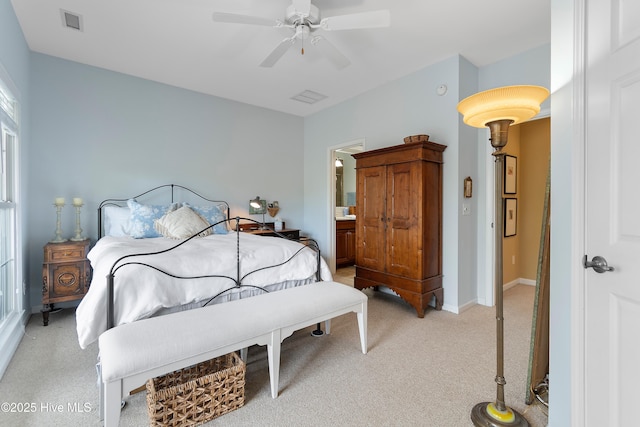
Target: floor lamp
(498,109)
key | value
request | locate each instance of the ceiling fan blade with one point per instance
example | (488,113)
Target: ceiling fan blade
(331,52)
(278,52)
(244,19)
(373,19)
(302,6)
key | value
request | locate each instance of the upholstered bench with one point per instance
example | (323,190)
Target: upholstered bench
(132,353)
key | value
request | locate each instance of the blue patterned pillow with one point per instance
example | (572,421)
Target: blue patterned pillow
(141,222)
(213,214)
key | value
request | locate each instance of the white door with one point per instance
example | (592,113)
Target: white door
(612,304)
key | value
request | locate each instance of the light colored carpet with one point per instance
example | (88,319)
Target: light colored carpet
(418,372)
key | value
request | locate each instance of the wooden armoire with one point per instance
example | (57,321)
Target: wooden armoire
(399,221)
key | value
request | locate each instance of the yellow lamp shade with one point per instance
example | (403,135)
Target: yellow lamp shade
(517,103)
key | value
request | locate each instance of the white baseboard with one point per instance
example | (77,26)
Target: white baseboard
(450,308)
(467,306)
(459,309)
(10,338)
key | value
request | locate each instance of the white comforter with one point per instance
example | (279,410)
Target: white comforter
(141,291)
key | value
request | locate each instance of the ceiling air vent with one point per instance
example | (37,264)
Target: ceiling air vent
(71,20)
(309,97)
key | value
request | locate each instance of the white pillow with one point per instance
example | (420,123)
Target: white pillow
(116,221)
(181,223)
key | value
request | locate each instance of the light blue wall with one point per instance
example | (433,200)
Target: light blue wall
(532,67)
(383,117)
(99,134)
(14,52)
(408,106)
(468,166)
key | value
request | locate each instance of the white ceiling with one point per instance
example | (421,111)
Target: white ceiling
(176,42)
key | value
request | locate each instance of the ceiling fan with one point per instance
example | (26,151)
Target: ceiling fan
(304,19)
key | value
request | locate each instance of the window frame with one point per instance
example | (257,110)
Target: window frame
(11,248)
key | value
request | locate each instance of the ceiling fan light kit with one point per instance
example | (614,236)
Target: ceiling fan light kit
(304,18)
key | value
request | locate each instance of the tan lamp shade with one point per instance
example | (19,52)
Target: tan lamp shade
(517,103)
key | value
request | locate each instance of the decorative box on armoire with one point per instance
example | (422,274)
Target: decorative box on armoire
(399,221)
(66,274)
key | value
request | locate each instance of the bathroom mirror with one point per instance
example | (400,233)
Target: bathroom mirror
(345,169)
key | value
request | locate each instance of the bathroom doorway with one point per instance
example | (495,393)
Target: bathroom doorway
(342,213)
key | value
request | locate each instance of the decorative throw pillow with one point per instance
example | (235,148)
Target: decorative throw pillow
(116,221)
(182,223)
(213,214)
(142,217)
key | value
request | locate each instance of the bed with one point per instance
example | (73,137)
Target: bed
(156,257)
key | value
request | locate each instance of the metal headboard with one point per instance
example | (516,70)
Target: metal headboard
(172,187)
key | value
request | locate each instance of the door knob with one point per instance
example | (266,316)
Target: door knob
(598,263)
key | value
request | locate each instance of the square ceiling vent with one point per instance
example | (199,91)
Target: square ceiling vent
(309,97)
(71,20)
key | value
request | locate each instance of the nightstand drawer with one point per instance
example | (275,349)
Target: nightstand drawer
(64,252)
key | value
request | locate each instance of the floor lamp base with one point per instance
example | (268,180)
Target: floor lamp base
(485,414)
(317,332)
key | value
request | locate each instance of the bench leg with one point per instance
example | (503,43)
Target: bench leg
(362,325)
(100,392)
(327,326)
(273,351)
(112,403)
(244,352)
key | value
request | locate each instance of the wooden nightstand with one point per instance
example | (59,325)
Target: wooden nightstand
(289,233)
(254,228)
(66,274)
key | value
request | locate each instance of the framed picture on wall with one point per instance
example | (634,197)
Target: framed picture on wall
(510,174)
(510,216)
(468,187)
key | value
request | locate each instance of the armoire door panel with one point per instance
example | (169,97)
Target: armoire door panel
(404,249)
(401,183)
(370,205)
(403,259)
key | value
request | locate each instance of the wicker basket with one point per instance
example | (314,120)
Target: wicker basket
(416,138)
(197,394)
